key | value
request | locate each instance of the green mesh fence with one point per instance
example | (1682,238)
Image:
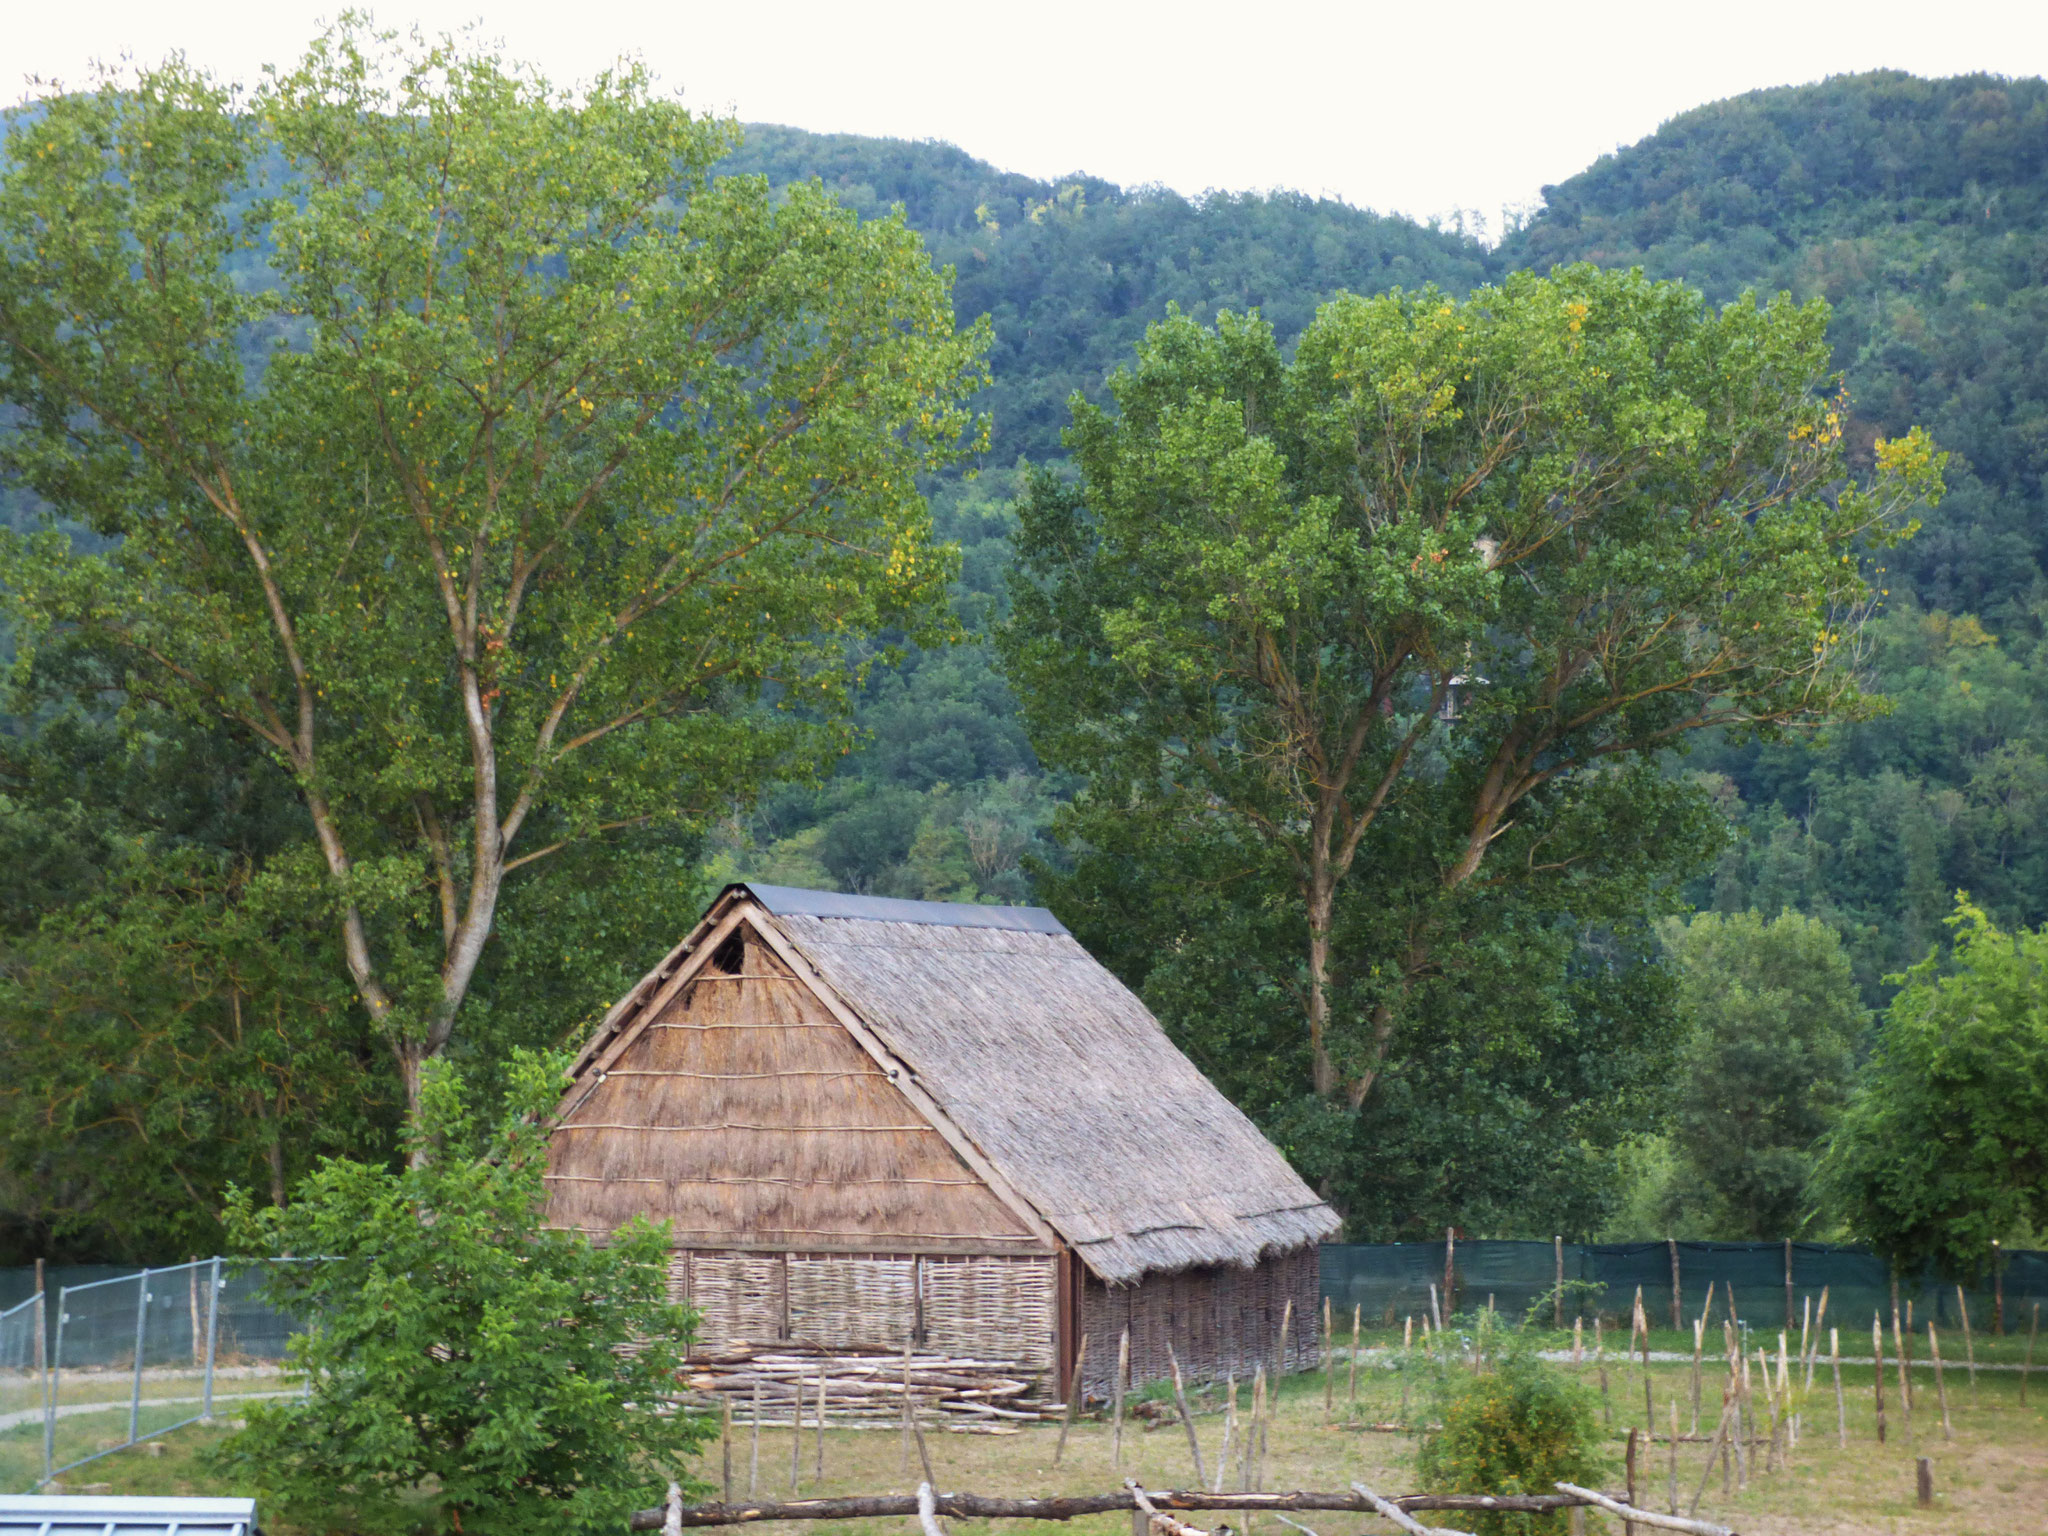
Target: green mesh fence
(1390,1281)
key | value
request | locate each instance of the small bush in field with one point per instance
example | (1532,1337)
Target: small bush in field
(1518,1425)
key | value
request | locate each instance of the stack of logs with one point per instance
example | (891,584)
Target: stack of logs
(864,1389)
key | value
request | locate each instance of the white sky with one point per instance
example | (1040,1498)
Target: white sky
(1402,107)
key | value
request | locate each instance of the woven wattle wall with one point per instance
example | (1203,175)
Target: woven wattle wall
(1219,1321)
(990,1308)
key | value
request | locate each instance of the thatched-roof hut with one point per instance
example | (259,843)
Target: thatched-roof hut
(876,1123)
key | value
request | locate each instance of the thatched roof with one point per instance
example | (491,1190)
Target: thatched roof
(1053,1071)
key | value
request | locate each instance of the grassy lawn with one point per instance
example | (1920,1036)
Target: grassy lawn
(1990,1478)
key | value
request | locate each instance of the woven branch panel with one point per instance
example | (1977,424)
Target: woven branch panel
(993,1307)
(853,1303)
(1219,1321)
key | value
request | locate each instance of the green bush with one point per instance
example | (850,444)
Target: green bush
(1517,1425)
(462,1362)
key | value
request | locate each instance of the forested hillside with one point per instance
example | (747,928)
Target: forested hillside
(1919,210)
(159,868)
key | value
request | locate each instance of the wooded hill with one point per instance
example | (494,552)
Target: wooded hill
(1916,208)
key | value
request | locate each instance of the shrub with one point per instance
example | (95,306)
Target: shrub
(461,1360)
(1518,1425)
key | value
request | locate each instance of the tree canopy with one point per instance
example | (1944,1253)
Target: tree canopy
(1417,607)
(535,486)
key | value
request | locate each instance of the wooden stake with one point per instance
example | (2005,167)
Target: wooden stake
(1940,1386)
(1923,1481)
(1628,1527)
(1718,1446)
(1286,1329)
(1699,1343)
(796,1436)
(2027,1362)
(1180,1401)
(1677,1305)
(924,1456)
(1650,1409)
(1841,1409)
(1255,1442)
(1329,1366)
(820,1471)
(1901,1361)
(903,1435)
(1123,1369)
(1788,1285)
(1229,1432)
(1877,1376)
(1578,1341)
(1557,1243)
(1073,1401)
(1674,1456)
(725,1444)
(1969,1343)
(1357,1316)
(754,1446)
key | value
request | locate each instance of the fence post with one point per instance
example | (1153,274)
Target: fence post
(141,1323)
(42,1367)
(1558,1244)
(1997,1291)
(212,1333)
(1677,1311)
(1788,1285)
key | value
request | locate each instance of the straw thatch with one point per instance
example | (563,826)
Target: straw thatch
(751,1115)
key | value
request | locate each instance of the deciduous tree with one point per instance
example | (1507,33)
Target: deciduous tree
(510,503)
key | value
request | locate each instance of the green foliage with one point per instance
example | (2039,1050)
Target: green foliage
(1517,1425)
(1774,1020)
(463,1366)
(1419,609)
(557,513)
(1940,1150)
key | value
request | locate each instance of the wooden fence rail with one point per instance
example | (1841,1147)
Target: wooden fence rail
(977,1506)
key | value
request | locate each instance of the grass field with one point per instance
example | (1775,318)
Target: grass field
(1991,1477)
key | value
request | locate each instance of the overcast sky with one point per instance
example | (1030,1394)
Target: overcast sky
(1412,108)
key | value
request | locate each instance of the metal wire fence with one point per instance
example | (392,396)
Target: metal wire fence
(1767,1284)
(94,1367)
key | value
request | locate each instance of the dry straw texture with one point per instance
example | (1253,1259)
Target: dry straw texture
(747,1114)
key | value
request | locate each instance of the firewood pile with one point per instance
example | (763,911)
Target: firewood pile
(866,1389)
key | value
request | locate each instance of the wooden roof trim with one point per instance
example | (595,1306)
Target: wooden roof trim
(615,1017)
(588,1071)
(905,1080)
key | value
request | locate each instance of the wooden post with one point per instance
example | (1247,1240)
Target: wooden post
(796,1433)
(1229,1433)
(1650,1408)
(1677,1305)
(1841,1409)
(1557,1243)
(1899,1360)
(1674,1456)
(1073,1401)
(1997,1290)
(1450,1273)
(1286,1332)
(1187,1419)
(754,1445)
(1600,1360)
(924,1456)
(1628,1527)
(1788,1285)
(2026,1362)
(1699,1343)
(1578,1341)
(1329,1366)
(820,1469)
(1357,1316)
(1969,1343)
(1877,1376)
(1123,1370)
(1923,1479)
(725,1443)
(1940,1386)
(1262,1410)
